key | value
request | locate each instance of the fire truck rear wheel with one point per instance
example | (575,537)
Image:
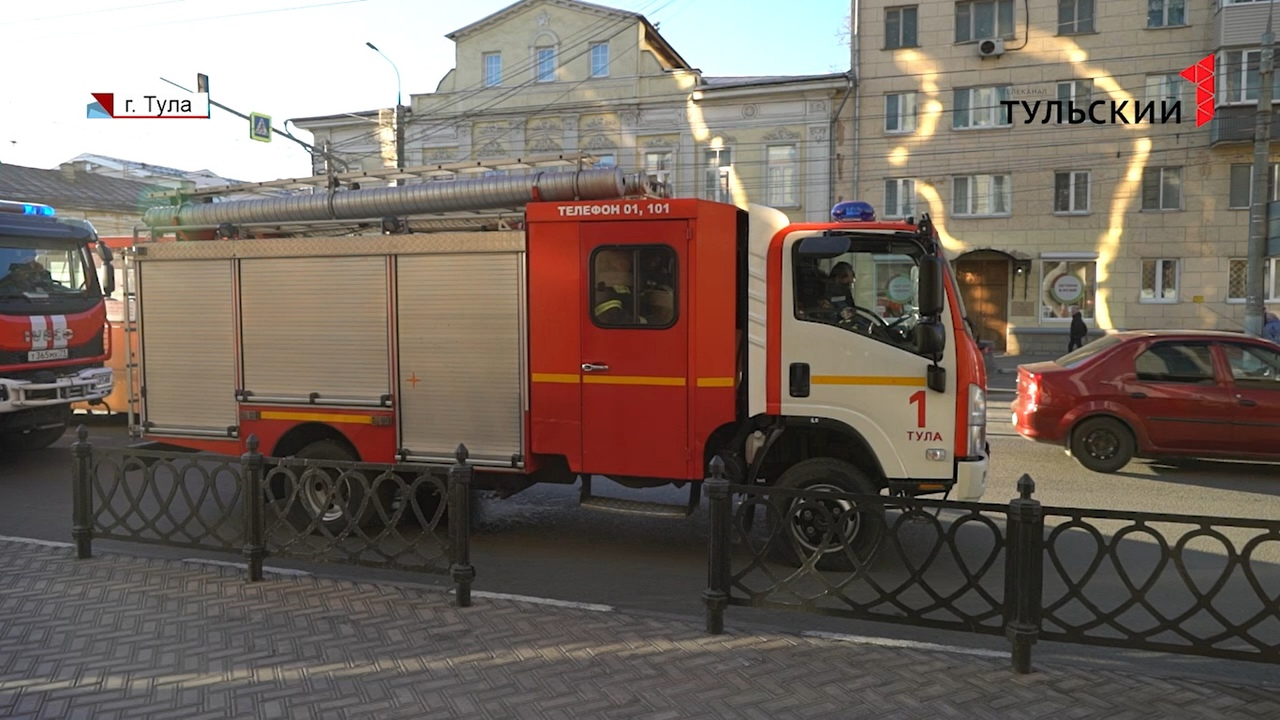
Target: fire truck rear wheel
(806,525)
(346,505)
(34,440)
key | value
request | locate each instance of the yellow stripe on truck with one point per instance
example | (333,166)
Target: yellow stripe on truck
(569,378)
(317,417)
(907,381)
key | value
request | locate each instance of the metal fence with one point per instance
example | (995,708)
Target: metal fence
(1168,583)
(389,516)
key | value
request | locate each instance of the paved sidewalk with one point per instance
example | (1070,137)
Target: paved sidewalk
(120,636)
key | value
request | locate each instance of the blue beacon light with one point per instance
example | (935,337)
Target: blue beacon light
(853,211)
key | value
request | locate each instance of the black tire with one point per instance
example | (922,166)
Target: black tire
(347,504)
(798,528)
(1102,444)
(33,439)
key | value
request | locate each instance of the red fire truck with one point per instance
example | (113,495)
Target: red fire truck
(605,330)
(52,323)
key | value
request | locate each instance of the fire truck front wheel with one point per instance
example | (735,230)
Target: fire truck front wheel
(328,498)
(843,533)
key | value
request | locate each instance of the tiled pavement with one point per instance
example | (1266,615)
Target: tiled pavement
(121,636)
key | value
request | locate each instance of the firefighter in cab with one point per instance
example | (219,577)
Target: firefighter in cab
(614,300)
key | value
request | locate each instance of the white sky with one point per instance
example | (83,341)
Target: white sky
(298,58)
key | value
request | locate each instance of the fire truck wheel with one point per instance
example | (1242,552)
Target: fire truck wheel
(319,502)
(806,527)
(34,440)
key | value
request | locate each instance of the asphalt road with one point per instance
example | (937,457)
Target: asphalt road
(539,543)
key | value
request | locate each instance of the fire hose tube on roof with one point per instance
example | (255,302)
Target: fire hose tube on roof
(431,197)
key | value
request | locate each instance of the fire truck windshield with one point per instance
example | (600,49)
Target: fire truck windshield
(36,268)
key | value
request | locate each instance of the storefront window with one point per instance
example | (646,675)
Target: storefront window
(1067,286)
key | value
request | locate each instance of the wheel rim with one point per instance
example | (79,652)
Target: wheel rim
(1102,444)
(809,526)
(315,493)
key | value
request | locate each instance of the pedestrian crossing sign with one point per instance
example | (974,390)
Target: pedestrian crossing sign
(260,127)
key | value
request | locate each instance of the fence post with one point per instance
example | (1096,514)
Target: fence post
(460,525)
(716,596)
(255,548)
(1024,576)
(82,493)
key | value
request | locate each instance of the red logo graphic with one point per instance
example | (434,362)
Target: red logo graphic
(1202,75)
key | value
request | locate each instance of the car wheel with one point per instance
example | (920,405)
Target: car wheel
(806,525)
(1102,444)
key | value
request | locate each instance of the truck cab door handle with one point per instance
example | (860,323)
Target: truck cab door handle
(593,367)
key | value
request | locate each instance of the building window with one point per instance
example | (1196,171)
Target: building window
(1162,188)
(658,165)
(605,161)
(718,175)
(1240,196)
(982,195)
(983,19)
(780,175)
(492,69)
(1067,285)
(900,27)
(1167,88)
(1079,92)
(1238,280)
(900,113)
(1239,81)
(1075,17)
(1166,13)
(899,197)
(979,108)
(600,60)
(634,287)
(546,59)
(1071,191)
(1159,281)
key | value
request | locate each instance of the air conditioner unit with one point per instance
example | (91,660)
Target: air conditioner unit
(991,48)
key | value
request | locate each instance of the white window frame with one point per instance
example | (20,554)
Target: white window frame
(906,194)
(1222,88)
(1165,6)
(717,180)
(1270,281)
(1273,184)
(901,39)
(1077,20)
(1072,200)
(972,183)
(1159,293)
(544,63)
(598,70)
(1160,201)
(904,115)
(995,112)
(659,167)
(1047,261)
(968,7)
(492,75)
(1163,87)
(782,177)
(1078,91)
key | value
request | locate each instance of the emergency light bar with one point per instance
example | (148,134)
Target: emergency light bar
(853,211)
(21,208)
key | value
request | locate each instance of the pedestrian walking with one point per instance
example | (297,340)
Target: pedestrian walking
(1271,330)
(1078,331)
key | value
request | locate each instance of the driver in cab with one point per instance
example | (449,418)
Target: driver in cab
(842,282)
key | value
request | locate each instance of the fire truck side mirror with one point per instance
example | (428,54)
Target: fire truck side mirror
(931,286)
(108,269)
(931,339)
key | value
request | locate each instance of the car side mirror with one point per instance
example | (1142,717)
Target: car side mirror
(932,286)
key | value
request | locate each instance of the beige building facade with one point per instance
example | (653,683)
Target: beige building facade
(544,78)
(1137,225)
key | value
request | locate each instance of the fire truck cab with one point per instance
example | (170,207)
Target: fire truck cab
(630,337)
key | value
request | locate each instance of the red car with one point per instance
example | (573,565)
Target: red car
(1156,394)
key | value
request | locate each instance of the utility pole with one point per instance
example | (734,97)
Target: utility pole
(1255,270)
(399,129)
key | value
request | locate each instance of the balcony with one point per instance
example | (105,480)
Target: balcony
(1234,124)
(1239,24)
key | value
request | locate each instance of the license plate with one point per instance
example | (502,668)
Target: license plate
(38,355)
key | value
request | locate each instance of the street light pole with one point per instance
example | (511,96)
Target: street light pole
(1258,230)
(399,109)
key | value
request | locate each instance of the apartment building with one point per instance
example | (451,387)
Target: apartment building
(541,78)
(1136,225)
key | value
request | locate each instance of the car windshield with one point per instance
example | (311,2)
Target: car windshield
(36,268)
(1077,357)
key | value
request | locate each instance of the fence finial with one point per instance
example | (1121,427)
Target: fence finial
(252,443)
(717,467)
(82,433)
(460,454)
(1026,486)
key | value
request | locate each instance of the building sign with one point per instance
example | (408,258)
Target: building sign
(1067,289)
